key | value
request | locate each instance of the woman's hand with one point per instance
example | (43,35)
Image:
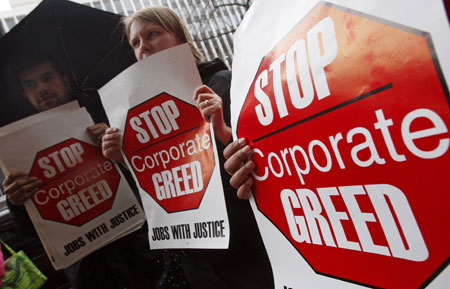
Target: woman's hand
(97,131)
(239,166)
(19,188)
(210,106)
(112,144)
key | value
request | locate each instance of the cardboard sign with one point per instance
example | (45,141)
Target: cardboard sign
(170,150)
(347,113)
(79,184)
(82,194)
(163,139)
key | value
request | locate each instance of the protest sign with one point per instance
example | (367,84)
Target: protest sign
(84,201)
(346,107)
(170,150)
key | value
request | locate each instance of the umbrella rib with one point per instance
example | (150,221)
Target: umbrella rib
(58,29)
(99,63)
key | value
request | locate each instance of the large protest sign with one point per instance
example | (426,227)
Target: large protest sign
(346,107)
(84,201)
(170,150)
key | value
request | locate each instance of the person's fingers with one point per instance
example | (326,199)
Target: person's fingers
(18,184)
(234,161)
(111,130)
(203,101)
(233,147)
(96,133)
(116,141)
(209,102)
(206,97)
(91,127)
(243,191)
(100,138)
(21,189)
(204,89)
(31,184)
(210,111)
(113,153)
(12,176)
(197,92)
(111,137)
(111,148)
(110,134)
(97,129)
(242,174)
(211,97)
(20,198)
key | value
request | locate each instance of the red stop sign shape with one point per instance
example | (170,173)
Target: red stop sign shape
(169,147)
(348,116)
(79,184)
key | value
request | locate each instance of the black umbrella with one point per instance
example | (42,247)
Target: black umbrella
(86,42)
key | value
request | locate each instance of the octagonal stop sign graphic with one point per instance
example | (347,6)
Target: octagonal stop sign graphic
(78,183)
(169,147)
(348,116)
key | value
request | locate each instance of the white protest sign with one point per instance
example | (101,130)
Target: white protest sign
(170,150)
(84,201)
(346,107)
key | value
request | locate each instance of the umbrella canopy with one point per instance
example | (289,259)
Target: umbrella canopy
(86,42)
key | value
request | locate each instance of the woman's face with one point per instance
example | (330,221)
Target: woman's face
(147,38)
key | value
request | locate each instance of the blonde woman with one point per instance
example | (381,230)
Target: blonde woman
(245,263)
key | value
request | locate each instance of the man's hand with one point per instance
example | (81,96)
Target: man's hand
(97,131)
(18,187)
(112,144)
(239,166)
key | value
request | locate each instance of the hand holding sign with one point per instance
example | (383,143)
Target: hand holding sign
(69,187)
(111,145)
(239,166)
(19,188)
(210,106)
(169,148)
(347,117)
(97,131)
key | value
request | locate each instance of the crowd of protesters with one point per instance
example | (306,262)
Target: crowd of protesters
(129,262)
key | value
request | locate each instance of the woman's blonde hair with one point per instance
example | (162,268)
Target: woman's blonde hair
(167,18)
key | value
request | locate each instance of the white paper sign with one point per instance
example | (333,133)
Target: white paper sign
(170,150)
(346,106)
(84,201)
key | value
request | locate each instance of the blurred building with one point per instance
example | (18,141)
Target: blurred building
(211,22)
